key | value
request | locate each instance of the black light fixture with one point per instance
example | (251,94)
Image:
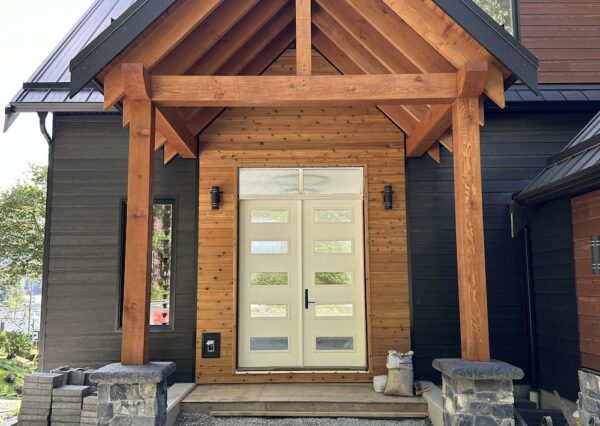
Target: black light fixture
(215,197)
(388,197)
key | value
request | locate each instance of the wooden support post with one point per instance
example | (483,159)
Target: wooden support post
(303,39)
(138,242)
(470,250)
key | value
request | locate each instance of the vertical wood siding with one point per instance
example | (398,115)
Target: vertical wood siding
(514,149)
(564,35)
(586,223)
(89,185)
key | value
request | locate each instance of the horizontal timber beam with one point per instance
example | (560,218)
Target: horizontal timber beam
(322,90)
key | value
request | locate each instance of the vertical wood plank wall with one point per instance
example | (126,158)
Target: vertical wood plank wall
(330,137)
(586,223)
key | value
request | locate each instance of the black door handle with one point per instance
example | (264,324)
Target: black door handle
(306,301)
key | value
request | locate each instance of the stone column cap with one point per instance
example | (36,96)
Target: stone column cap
(152,372)
(477,370)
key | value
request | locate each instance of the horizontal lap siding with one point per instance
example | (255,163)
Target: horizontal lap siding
(89,184)
(555,299)
(514,150)
(387,295)
(564,36)
(586,223)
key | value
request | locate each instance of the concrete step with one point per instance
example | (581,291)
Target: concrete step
(297,400)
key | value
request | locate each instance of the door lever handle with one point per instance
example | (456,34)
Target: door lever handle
(306,301)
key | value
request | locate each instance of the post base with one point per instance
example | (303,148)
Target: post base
(477,392)
(588,401)
(133,394)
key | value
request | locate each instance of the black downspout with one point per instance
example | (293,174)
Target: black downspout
(46,266)
(530,295)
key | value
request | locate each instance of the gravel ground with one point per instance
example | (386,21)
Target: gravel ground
(188,419)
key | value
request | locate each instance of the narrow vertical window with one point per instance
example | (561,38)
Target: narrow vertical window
(161,303)
(595,254)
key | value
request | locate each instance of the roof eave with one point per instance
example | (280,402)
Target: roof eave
(113,40)
(583,181)
(506,48)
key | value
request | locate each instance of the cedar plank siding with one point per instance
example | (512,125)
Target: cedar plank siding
(586,223)
(514,149)
(564,36)
(89,184)
(555,301)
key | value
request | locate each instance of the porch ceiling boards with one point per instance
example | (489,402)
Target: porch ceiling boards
(242,37)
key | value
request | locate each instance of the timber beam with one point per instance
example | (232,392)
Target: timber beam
(303,42)
(138,240)
(294,91)
(470,82)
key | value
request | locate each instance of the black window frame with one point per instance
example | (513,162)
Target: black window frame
(121,264)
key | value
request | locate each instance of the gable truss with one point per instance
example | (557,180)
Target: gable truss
(243,37)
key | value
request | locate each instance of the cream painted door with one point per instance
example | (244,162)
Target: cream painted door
(269,283)
(334,286)
(301,284)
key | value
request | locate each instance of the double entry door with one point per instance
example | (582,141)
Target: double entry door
(301,285)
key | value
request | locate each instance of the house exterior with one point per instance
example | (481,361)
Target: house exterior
(301,238)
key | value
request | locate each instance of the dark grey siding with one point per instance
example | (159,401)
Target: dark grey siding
(555,298)
(89,183)
(514,150)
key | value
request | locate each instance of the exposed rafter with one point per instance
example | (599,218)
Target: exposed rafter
(158,43)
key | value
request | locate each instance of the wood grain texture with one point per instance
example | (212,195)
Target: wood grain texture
(564,36)
(136,296)
(586,223)
(290,91)
(387,288)
(470,248)
(303,42)
(182,20)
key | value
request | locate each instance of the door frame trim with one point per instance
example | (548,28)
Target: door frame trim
(367,297)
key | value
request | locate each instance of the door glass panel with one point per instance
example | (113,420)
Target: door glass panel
(333,278)
(333,246)
(333,215)
(269,181)
(269,278)
(335,343)
(270,216)
(269,247)
(268,343)
(333,181)
(263,310)
(332,310)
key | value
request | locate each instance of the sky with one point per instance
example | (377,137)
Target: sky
(30,29)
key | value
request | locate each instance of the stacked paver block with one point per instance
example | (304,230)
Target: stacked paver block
(89,414)
(66,404)
(37,398)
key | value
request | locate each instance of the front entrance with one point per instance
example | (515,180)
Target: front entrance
(301,302)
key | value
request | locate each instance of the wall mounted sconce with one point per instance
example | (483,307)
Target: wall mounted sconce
(388,197)
(215,197)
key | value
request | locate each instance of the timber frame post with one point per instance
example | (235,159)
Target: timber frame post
(138,250)
(470,248)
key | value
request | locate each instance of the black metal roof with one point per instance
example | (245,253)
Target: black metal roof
(101,51)
(575,169)
(48,88)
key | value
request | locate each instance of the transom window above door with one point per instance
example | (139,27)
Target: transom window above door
(300,181)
